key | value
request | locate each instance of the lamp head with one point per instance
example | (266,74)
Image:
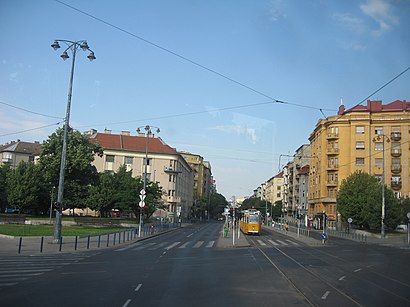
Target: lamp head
(64,56)
(91,56)
(55,45)
(84,46)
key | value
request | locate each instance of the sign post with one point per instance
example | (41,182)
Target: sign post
(349,220)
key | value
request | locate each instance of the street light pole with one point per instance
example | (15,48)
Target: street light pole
(73,46)
(383,137)
(148,132)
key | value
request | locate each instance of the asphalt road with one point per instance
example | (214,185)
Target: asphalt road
(193,266)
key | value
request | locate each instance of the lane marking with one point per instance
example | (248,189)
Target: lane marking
(126,303)
(358,270)
(172,246)
(210,244)
(138,287)
(325,295)
(273,242)
(261,242)
(128,247)
(8,284)
(185,244)
(190,235)
(343,277)
(143,246)
(158,246)
(198,244)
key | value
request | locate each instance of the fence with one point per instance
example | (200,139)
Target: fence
(74,243)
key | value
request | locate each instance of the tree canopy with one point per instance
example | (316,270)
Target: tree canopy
(360,198)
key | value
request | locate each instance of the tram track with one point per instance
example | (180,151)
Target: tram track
(332,272)
(311,296)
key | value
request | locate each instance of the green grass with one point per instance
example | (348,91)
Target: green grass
(21,230)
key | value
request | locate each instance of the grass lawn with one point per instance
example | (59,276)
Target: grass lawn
(21,230)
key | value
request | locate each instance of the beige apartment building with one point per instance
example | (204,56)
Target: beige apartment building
(373,138)
(274,188)
(164,165)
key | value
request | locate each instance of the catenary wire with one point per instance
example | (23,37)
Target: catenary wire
(28,111)
(187,59)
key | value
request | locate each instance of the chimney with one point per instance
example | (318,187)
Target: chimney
(341,107)
(108,131)
(125,132)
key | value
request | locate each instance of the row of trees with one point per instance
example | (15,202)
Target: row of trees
(32,187)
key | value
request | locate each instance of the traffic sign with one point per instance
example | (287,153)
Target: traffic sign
(142,192)
(142,197)
(141,204)
(349,220)
(324,236)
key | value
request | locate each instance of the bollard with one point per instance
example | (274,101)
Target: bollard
(88,242)
(99,240)
(108,239)
(20,242)
(115,238)
(61,244)
(41,244)
(75,243)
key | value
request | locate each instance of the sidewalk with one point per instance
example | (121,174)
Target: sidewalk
(229,241)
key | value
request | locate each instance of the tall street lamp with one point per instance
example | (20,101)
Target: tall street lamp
(72,46)
(383,138)
(148,132)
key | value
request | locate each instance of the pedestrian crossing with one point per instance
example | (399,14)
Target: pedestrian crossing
(14,270)
(277,243)
(166,246)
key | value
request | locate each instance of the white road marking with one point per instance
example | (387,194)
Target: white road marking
(8,284)
(158,246)
(273,242)
(143,246)
(138,287)
(198,244)
(185,244)
(210,244)
(325,295)
(294,243)
(126,303)
(283,243)
(343,277)
(358,270)
(190,235)
(172,245)
(128,247)
(261,242)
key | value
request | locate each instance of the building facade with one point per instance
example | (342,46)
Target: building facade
(164,165)
(15,152)
(372,139)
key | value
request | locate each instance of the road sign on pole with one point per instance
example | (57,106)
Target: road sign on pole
(141,204)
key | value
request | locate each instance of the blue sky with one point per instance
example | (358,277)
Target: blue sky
(309,54)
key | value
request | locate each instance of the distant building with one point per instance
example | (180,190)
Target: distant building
(15,152)
(373,138)
(164,165)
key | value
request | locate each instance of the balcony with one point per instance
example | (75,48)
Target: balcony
(395,136)
(332,167)
(396,152)
(332,151)
(332,136)
(332,183)
(396,168)
(170,169)
(396,184)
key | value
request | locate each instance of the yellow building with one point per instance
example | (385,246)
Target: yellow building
(372,138)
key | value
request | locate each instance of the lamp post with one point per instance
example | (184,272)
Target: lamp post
(387,139)
(73,47)
(148,132)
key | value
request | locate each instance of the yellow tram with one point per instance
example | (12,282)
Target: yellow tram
(251,221)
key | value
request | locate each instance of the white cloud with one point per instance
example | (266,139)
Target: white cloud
(276,10)
(382,12)
(350,22)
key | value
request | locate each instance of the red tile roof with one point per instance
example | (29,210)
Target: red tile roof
(377,106)
(131,143)
(304,170)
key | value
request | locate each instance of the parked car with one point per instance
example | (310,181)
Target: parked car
(401,227)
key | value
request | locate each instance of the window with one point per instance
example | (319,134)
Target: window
(395,148)
(359,161)
(378,146)
(360,145)
(128,160)
(378,130)
(109,159)
(359,129)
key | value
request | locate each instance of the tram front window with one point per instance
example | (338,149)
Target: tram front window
(253,219)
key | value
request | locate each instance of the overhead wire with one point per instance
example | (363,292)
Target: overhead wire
(186,58)
(29,111)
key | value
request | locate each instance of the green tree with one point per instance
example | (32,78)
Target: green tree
(79,172)
(4,171)
(24,186)
(217,203)
(359,198)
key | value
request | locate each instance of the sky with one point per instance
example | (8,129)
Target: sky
(242,83)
